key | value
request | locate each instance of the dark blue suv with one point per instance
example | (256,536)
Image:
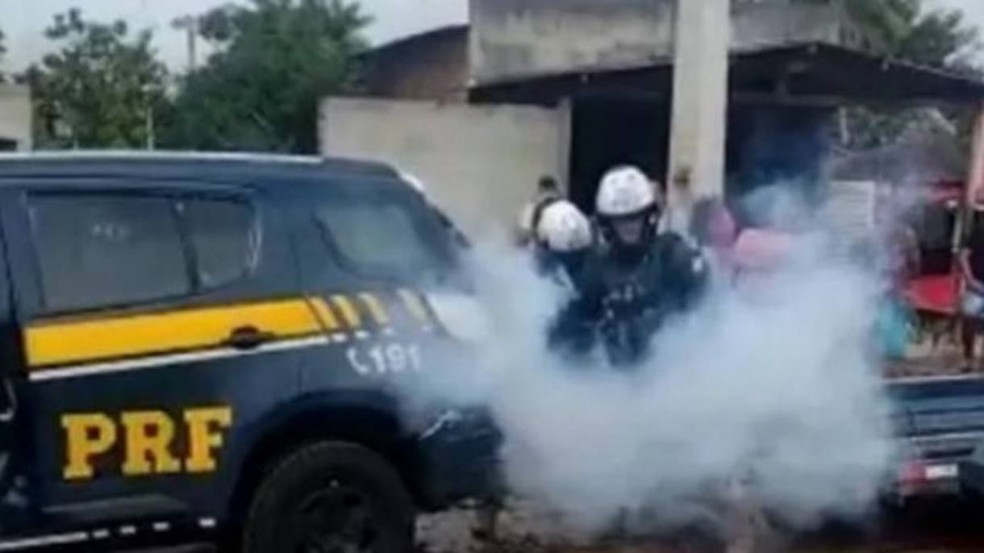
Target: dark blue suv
(217,344)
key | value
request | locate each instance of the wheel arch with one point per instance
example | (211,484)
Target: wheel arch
(369,420)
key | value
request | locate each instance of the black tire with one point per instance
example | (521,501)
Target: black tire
(327,497)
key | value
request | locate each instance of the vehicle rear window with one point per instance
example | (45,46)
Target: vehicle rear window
(107,250)
(387,237)
(223,238)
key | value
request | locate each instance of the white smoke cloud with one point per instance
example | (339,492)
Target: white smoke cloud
(775,377)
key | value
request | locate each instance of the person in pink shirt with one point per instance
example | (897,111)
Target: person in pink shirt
(761,249)
(737,254)
(714,229)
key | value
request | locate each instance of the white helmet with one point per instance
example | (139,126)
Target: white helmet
(625,191)
(628,211)
(563,228)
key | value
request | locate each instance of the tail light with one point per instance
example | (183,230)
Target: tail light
(912,473)
(916,474)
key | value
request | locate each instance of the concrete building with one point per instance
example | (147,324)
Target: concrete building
(479,164)
(603,72)
(510,40)
(429,66)
(527,38)
(15,118)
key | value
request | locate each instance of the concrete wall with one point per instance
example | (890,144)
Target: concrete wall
(514,38)
(766,23)
(850,209)
(480,164)
(15,116)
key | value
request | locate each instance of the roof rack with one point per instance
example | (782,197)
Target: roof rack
(150,155)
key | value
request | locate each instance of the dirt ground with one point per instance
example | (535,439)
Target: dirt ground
(931,527)
(936,527)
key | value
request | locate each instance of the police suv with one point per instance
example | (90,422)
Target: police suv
(215,343)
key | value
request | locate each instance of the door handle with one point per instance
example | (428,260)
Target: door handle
(247,338)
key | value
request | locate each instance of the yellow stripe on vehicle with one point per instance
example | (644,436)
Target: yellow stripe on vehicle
(375,308)
(348,311)
(415,305)
(324,313)
(62,343)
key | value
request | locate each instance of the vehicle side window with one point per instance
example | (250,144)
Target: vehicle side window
(223,237)
(107,250)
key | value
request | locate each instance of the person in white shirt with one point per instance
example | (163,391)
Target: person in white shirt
(548,191)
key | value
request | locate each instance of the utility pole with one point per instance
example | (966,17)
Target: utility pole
(150,128)
(700,105)
(189,24)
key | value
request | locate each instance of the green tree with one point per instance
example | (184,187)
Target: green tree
(940,38)
(275,60)
(883,22)
(906,30)
(100,89)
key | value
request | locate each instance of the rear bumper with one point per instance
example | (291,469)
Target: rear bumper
(972,476)
(459,460)
(938,465)
(929,479)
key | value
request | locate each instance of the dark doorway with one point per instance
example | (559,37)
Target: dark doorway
(776,145)
(767,145)
(610,132)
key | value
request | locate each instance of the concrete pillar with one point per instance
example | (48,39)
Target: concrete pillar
(975,178)
(974,193)
(700,103)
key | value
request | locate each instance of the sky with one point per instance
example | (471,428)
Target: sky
(23,21)
(974,9)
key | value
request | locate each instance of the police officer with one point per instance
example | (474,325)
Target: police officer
(564,242)
(636,277)
(564,238)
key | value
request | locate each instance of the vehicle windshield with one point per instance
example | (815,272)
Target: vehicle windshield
(390,237)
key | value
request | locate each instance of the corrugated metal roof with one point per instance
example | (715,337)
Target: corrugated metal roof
(815,73)
(162,164)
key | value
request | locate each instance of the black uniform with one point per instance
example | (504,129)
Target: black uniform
(570,333)
(623,302)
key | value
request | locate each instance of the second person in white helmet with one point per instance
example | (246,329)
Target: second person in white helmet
(563,239)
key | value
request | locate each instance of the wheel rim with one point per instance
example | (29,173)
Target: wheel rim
(336,518)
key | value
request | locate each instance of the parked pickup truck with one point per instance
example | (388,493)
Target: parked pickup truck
(215,344)
(940,424)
